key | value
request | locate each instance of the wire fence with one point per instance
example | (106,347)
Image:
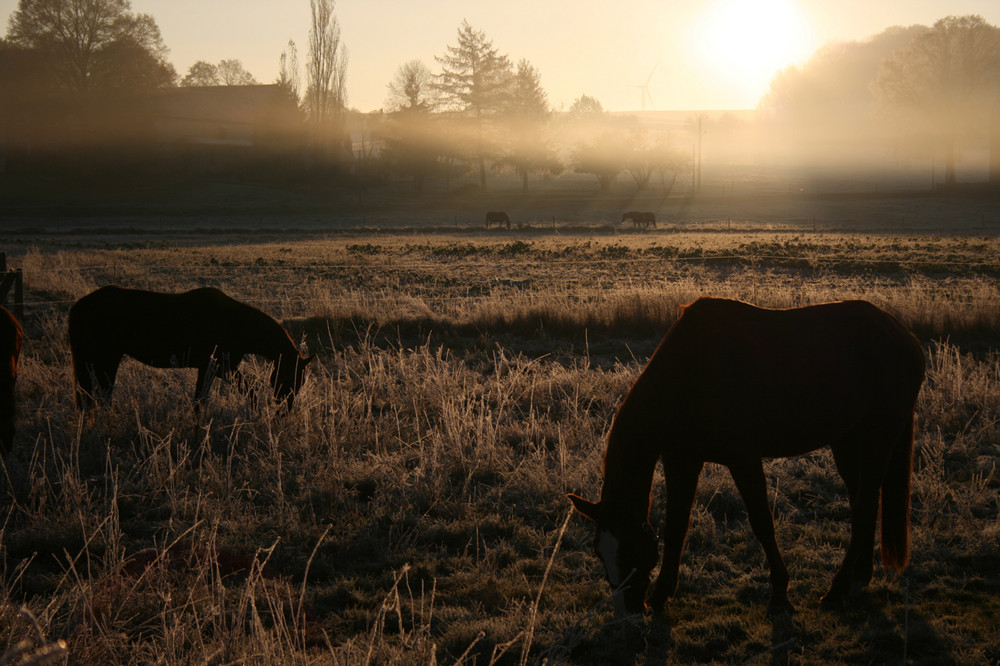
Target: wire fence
(216,272)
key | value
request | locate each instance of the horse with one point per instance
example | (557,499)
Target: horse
(11,340)
(734,384)
(202,328)
(640,218)
(497,216)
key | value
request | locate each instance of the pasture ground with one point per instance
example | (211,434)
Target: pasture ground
(411,507)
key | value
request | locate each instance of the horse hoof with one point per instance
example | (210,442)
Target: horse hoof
(656,603)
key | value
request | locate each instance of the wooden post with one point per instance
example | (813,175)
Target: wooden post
(11,279)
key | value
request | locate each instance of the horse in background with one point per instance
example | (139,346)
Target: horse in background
(497,216)
(640,219)
(202,328)
(11,341)
(733,384)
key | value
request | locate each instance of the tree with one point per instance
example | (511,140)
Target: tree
(288,71)
(326,69)
(829,96)
(202,74)
(944,83)
(410,88)
(228,72)
(94,45)
(602,156)
(232,73)
(585,104)
(529,149)
(474,82)
(647,154)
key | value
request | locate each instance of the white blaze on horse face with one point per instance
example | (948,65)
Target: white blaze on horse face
(608,546)
(607,549)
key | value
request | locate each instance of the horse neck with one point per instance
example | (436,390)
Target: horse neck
(273,341)
(628,475)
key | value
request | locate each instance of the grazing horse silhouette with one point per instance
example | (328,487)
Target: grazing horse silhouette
(733,384)
(497,216)
(11,339)
(640,219)
(202,328)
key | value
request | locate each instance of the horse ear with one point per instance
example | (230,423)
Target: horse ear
(586,507)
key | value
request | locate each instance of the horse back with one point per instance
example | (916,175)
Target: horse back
(790,380)
(160,328)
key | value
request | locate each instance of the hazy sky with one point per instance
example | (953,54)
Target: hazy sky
(707,54)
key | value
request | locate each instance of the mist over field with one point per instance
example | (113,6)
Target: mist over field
(411,506)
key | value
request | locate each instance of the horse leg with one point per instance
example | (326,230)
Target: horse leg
(95,380)
(83,375)
(864,514)
(849,466)
(752,486)
(232,374)
(682,483)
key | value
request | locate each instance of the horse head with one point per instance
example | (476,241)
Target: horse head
(287,377)
(628,550)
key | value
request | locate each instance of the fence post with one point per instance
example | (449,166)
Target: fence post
(10,279)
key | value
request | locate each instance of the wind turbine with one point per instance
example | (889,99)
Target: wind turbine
(644,89)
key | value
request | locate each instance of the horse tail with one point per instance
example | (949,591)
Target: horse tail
(896,502)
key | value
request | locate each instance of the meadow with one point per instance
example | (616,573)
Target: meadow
(411,508)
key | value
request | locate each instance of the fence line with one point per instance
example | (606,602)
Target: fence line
(750,258)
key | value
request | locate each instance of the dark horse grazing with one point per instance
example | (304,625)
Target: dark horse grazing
(497,216)
(11,339)
(201,328)
(733,384)
(640,219)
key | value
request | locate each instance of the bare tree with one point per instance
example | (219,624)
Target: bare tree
(326,70)
(603,156)
(233,73)
(288,70)
(944,83)
(202,74)
(410,88)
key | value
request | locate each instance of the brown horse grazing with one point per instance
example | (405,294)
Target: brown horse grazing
(733,384)
(11,339)
(497,216)
(202,328)
(640,219)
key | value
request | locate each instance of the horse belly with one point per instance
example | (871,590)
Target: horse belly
(779,414)
(159,353)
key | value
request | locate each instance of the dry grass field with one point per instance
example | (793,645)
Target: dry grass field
(411,507)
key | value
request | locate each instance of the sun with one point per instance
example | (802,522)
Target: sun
(746,42)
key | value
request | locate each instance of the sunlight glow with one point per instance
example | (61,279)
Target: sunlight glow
(744,43)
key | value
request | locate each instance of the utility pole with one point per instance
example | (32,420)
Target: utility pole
(698,186)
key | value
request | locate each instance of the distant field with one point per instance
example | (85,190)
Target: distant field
(215,207)
(411,508)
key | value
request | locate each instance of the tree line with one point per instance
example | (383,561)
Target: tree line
(78,73)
